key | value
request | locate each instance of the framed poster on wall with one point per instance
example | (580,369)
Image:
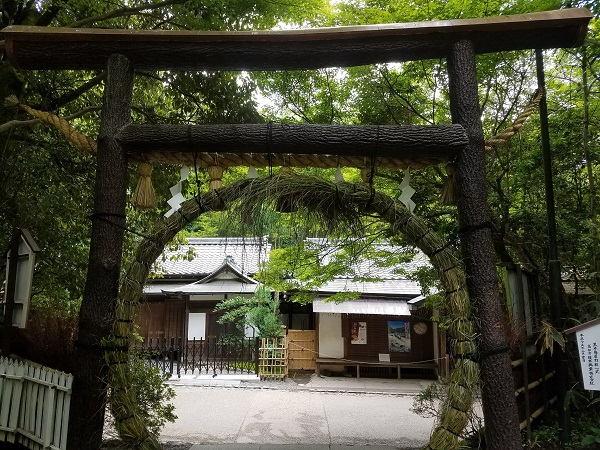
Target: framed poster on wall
(358,332)
(398,336)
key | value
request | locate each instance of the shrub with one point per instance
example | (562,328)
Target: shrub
(152,394)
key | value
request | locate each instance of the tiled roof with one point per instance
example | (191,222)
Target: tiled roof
(156,288)
(207,254)
(246,254)
(228,278)
(228,270)
(216,287)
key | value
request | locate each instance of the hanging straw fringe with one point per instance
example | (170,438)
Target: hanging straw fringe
(216,174)
(144,195)
(77,139)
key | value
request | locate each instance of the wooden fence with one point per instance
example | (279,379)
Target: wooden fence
(535,384)
(302,349)
(273,358)
(35,405)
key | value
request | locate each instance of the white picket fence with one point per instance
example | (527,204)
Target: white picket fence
(34,405)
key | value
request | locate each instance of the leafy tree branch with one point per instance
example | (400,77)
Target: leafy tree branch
(123,12)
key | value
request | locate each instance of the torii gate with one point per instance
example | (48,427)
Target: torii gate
(121,52)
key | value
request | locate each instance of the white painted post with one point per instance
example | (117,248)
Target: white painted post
(60,403)
(3,397)
(38,406)
(17,391)
(65,412)
(49,410)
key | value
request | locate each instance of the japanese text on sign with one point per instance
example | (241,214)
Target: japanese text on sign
(587,340)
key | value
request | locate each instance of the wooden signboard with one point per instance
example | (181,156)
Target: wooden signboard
(588,340)
(27,248)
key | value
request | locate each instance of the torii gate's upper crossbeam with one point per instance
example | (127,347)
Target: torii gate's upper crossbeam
(66,48)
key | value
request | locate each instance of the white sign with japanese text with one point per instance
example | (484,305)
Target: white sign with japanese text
(587,342)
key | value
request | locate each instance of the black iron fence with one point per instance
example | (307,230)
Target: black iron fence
(210,356)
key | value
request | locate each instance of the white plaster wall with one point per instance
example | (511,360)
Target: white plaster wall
(331,342)
(196,326)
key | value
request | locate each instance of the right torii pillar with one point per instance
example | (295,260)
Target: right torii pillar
(497,387)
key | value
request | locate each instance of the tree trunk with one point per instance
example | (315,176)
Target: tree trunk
(589,163)
(100,295)
(554,271)
(497,386)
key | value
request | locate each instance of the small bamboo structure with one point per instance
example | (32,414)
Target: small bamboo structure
(273,359)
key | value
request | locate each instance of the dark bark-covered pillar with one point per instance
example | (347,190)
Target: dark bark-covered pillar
(498,392)
(101,289)
(561,362)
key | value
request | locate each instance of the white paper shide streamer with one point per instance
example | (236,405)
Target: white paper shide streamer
(407,192)
(176,197)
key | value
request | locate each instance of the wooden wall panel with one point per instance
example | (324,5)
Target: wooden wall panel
(174,321)
(302,349)
(377,339)
(149,319)
(163,320)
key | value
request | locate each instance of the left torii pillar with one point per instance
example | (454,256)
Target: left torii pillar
(98,307)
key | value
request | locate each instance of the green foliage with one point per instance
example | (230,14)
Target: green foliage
(152,393)
(303,266)
(426,404)
(585,432)
(47,186)
(261,312)
(592,438)
(548,337)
